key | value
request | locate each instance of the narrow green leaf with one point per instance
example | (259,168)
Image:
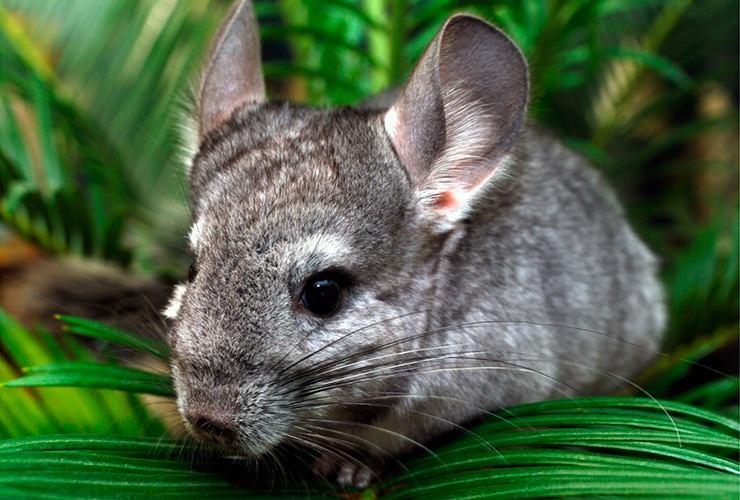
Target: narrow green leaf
(14,147)
(713,394)
(55,177)
(94,375)
(94,466)
(24,347)
(603,403)
(568,482)
(96,330)
(153,447)
(21,415)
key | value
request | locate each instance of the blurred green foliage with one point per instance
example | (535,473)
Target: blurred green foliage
(94,99)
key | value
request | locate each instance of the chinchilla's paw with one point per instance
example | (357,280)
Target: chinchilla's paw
(346,471)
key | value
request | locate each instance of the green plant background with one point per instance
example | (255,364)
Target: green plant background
(93,98)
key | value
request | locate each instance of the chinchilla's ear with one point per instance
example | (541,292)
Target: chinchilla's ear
(233,77)
(459,115)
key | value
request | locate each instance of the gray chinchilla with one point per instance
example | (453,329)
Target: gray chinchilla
(366,279)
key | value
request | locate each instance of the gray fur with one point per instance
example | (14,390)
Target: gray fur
(485,269)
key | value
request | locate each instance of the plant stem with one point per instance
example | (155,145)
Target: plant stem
(397,36)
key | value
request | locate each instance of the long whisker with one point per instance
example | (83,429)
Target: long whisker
(377,365)
(323,365)
(344,337)
(424,414)
(312,438)
(391,369)
(333,429)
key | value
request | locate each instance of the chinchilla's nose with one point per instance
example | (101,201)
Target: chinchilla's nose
(213,428)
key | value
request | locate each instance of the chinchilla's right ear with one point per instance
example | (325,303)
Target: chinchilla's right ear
(459,116)
(233,77)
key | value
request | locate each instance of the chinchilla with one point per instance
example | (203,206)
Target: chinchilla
(366,279)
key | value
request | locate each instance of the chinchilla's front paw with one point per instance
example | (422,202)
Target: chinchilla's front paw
(348,471)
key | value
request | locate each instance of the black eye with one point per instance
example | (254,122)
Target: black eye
(322,294)
(192,272)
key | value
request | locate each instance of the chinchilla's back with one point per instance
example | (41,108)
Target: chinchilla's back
(551,255)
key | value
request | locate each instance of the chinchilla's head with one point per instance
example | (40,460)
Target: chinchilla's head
(299,240)
(315,234)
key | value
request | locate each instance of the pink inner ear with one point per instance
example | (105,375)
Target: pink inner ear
(453,199)
(447,201)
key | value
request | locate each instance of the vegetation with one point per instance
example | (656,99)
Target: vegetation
(92,98)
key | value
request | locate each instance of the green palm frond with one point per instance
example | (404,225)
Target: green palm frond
(64,185)
(110,79)
(72,409)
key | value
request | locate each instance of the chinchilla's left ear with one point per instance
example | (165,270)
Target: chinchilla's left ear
(459,115)
(233,76)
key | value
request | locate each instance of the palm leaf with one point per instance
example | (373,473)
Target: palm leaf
(96,375)
(44,410)
(119,76)
(48,146)
(588,447)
